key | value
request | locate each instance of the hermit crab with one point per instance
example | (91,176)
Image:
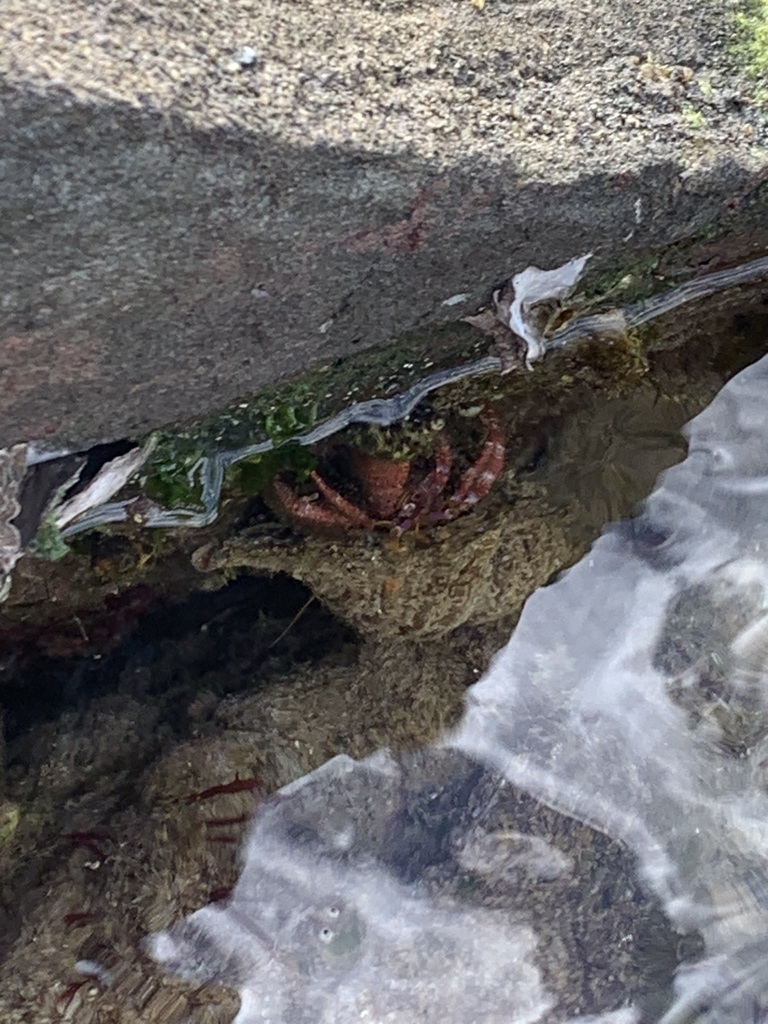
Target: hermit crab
(398,492)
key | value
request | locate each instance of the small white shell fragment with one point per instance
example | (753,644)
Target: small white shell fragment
(456,300)
(534,285)
(36,454)
(246,56)
(93,969)
(512,854)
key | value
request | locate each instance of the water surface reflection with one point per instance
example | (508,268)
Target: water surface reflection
(603,797)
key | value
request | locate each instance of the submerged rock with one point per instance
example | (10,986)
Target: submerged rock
(425,887)
(470,570)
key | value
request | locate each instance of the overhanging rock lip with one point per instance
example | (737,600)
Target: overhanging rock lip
(167,257)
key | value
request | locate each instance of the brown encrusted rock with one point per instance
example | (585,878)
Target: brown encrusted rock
(472,570)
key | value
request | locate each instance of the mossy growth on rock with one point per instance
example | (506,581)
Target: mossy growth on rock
(292,408)
(750,46)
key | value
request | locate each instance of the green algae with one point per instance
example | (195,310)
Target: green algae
(751,44)
(171,477)
(48,542)
(10,816)
(281,412)
(251,475)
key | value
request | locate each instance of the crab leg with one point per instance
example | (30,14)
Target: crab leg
(479,478)
(348,510)
(426,495)
(332,510)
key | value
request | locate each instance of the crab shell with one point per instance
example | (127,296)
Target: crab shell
(387,499)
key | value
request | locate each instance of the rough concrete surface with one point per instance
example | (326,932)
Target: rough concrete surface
(197,198)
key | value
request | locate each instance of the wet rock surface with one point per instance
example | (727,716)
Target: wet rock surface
(464,573)
(122,846)
(339,901)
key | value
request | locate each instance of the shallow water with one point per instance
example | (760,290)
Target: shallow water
(561,907)
(645,710)
(631,698)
